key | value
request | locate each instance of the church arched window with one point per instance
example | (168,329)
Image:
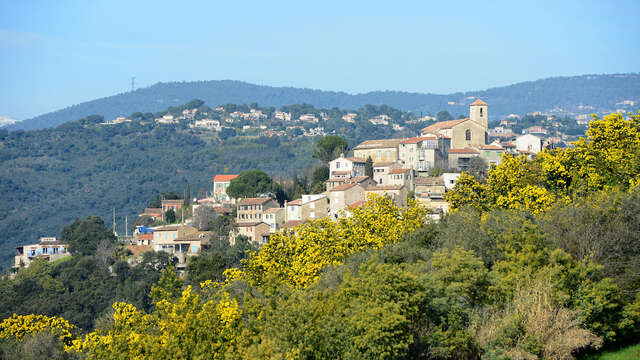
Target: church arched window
(481,112)
(467,134)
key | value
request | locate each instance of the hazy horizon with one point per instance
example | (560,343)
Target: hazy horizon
(65,53)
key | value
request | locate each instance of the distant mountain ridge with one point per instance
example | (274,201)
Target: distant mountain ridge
(558,95)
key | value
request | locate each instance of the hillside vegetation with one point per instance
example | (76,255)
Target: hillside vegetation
(542,266)
(600,93)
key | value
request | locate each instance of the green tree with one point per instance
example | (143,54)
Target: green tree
(252,183)
(170,216)
(84,235)
(330,147)
(368,167)
(187,195)
(443,116)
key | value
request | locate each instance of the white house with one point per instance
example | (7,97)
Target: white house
(528,142)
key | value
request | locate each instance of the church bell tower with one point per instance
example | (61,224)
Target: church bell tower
(478,113)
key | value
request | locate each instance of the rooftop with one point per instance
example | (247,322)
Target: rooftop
(382,143)
(417,139)
(343,187)
(398,171)
(429,180)
(443,125)
(463,151)
(478,102)
(254,201)
(273,210)
(491,147)
(385,187)
(224,177)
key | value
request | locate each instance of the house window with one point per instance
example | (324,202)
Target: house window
(467,134)
(338,165)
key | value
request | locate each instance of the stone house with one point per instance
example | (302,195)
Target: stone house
(252,209)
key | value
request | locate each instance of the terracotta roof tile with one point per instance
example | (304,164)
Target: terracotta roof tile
(293,223)
(295,202)
(429,180)
(491,147)
(443,125)
(343,187)
(357,204)
(478,102)
(417,139)
(398,171)
(382,143)
(228,177)
(463,151)
(254,201)
(385,187)
(357,160)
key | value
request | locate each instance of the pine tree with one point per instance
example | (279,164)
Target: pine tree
(368,167)
(187,195)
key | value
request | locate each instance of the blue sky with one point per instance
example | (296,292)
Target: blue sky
(57,53)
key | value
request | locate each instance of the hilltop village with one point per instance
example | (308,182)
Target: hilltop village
(423,167)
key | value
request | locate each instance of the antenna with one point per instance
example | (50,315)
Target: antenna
(114,223)
(133,83)
(126,227)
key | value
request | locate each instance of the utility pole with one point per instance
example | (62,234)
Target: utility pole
(126,227)
(115,233)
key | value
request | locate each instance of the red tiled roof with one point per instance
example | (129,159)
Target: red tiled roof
(273,210)
(347,172)
(382,143)
(398,171)
(224,177)
(417,139)
(358,160)
(343,187)
(382,164)
(222,210)
(358,179)
(337,179)
(478,103)
(491,147)
(254,201)
(443,125)
(463,151)
(295,202)
(145,237)
(357,204)
(152,211)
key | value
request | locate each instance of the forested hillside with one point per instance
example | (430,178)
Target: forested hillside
(560,95)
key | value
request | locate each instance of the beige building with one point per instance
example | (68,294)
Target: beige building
(180,241)
(464,133)
(430,192)
(492,154)
(258,232)
(460,158)
(398,193)
(340,197)
(252,209)
(425,152)
(275,218)
(400,177)
(49,248)
(346,167)
(384,150)
(309,207)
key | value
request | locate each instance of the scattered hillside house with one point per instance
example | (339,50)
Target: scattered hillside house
(528,143)
(384,150)
(275,218)
(281,115)
(362,180)
(166,119)
(500,130)
(397,193)
(309,207)
(380,120)
(220,185)
(258,232)
(535,130)
(424,152)
(350,117)
(381,171)
(155,213)
(174,205)
(180,241)
(256,115)
(491,153)
(252,209)
(450,180)
(144,239)
(341,196)
(208,124)
(48,248)
(308,118)
(346,167)
(118,120)
(460,158)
